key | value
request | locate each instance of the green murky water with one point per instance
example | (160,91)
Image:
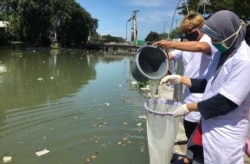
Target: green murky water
(78,105)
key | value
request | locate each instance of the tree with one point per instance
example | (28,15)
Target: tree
(35,20)
(72,23)
(164,35)
(241,8)
(94,37)
(28,21)
(32,21)
(175,33)
(152,37)
(109,38)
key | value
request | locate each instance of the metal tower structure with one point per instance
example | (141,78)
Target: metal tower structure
(134,26)
(203,3)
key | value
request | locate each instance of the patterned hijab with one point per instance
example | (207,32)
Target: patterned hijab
(223,24)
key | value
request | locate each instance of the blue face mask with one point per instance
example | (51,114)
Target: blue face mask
(221,46)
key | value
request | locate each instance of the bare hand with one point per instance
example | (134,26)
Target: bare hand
(163,44)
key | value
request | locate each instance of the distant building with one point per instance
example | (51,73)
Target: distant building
(3,24)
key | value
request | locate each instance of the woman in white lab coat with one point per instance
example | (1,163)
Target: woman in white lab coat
(226,101)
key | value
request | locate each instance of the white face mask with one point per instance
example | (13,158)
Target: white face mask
(221,46)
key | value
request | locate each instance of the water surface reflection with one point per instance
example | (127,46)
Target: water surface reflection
(75,104)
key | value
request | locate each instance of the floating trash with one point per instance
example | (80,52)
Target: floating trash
(142,117)
(125,123)
(107,104)
(92,157)
(125,138)
(145,88)
(42,152)
(142,149)
(7,159)
(138,124)
(40,79)
(134,82)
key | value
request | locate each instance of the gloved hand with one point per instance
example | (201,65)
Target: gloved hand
(181,110)
(171,79)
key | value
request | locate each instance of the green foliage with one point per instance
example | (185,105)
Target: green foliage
(94,37)
(152,37)
(174,33)
(109,38)
(241,8)
(33,21)
(138,85)
(164,35)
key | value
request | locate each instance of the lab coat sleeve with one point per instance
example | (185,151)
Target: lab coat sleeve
(198,85)
(216,106)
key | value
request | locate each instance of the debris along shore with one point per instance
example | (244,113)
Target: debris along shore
(180,146)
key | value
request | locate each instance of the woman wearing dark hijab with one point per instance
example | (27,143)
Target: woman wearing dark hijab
(226,101)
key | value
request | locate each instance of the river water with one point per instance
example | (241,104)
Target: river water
(78,105)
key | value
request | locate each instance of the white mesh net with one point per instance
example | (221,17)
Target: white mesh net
(162,129)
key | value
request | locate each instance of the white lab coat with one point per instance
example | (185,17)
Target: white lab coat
(195,65)
(224,136)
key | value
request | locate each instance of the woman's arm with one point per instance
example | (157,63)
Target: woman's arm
(186,81)
(195,85)
(193,46)
(216,106)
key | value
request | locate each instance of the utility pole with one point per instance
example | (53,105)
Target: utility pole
(171,27)
(134,26)
(203,3)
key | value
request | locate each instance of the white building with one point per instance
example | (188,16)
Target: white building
(3,24)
